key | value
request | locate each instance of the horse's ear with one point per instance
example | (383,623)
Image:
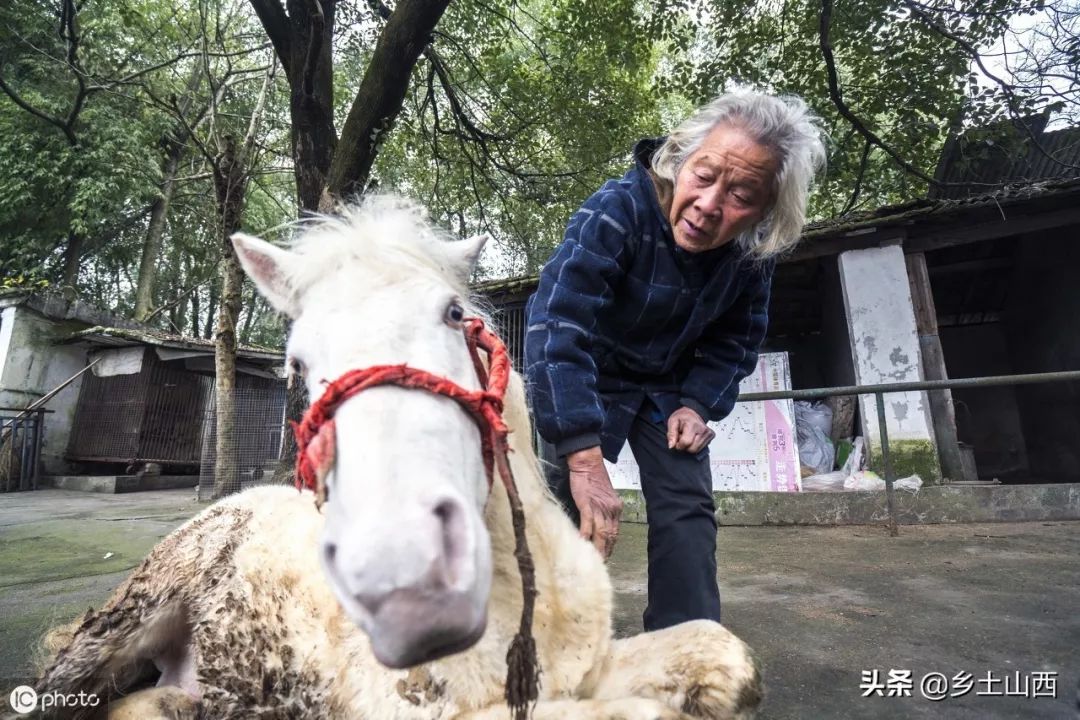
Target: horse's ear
(465,254)
(264,263)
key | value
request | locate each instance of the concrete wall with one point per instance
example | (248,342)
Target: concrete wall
(31,365)
(1042,323)
(937,504)
(884,346)
(986,418)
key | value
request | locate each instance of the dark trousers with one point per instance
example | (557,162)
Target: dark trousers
(682,525)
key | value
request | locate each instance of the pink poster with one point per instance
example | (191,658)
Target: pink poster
(754,447)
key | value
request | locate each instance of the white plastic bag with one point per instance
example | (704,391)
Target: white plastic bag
(867,480)
(824,482)
(911,483)
(817,414)
(816,450)
(864,480)
(854,459)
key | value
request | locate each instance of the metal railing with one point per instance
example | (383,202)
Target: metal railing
(880,390)
(20,448)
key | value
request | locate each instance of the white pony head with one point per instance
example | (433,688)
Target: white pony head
(405,548)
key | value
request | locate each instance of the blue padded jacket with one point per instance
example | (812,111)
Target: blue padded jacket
(622,314)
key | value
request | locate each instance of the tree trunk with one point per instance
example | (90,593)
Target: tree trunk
(382,91)
(325,168)
(72,256)
(226,470)
(144,291)
(311,101)
(211,309)
(252,305)
(314,143)
(192,301)
(231,175)
(230,184)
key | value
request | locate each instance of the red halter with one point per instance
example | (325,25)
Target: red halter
(316,442)
(316,437)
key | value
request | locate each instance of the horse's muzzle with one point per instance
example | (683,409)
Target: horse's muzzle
(411,627)
(419,594)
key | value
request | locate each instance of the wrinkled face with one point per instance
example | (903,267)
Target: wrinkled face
(405,548)
(723,188)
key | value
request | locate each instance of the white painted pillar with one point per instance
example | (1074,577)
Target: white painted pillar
(885,348)
(7,327)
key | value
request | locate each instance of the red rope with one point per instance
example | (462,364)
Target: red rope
(315,432)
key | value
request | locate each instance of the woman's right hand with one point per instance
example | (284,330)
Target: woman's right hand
(597,502)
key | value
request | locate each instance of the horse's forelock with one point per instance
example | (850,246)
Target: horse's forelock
(387,236)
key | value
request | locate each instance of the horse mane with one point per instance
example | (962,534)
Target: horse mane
(389,236)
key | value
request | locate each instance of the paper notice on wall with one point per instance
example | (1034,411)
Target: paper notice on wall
(754,447)
(121,361)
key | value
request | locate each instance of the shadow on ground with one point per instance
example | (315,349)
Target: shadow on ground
(818,605)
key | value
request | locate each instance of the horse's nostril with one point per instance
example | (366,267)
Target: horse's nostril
(452,524)
(371,603)
(329,552)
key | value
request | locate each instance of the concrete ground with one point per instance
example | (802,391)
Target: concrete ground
(819,605)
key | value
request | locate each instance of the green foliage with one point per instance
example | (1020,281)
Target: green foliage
(51,187)
(30,282)
(136,61)
(568,87)
(562,91)
(520,109)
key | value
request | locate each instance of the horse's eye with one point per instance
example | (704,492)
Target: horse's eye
(455,314)
(296,367)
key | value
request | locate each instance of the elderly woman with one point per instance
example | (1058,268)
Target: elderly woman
(651,312)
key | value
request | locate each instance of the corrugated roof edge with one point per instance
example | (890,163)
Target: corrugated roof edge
(99,333)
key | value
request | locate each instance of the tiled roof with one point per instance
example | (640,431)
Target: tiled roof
(1007,153)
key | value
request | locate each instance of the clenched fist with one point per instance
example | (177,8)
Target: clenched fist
(686,430)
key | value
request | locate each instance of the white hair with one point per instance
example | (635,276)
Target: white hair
(786,126)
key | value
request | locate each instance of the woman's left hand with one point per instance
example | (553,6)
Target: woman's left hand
(686,430)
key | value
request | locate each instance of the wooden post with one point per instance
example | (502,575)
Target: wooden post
(933,362)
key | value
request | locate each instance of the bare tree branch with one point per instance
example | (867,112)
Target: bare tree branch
(1006,88)
(858,179)
(272,16)
(128,79)
(69,32)
(15,98)
(257,113)
(455,104)
(851,117)
(183,294)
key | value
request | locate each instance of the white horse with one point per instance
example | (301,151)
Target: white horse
(232,616)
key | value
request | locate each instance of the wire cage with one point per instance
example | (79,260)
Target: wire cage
(20,448)
(153,415)
(260,421)
(509,322)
